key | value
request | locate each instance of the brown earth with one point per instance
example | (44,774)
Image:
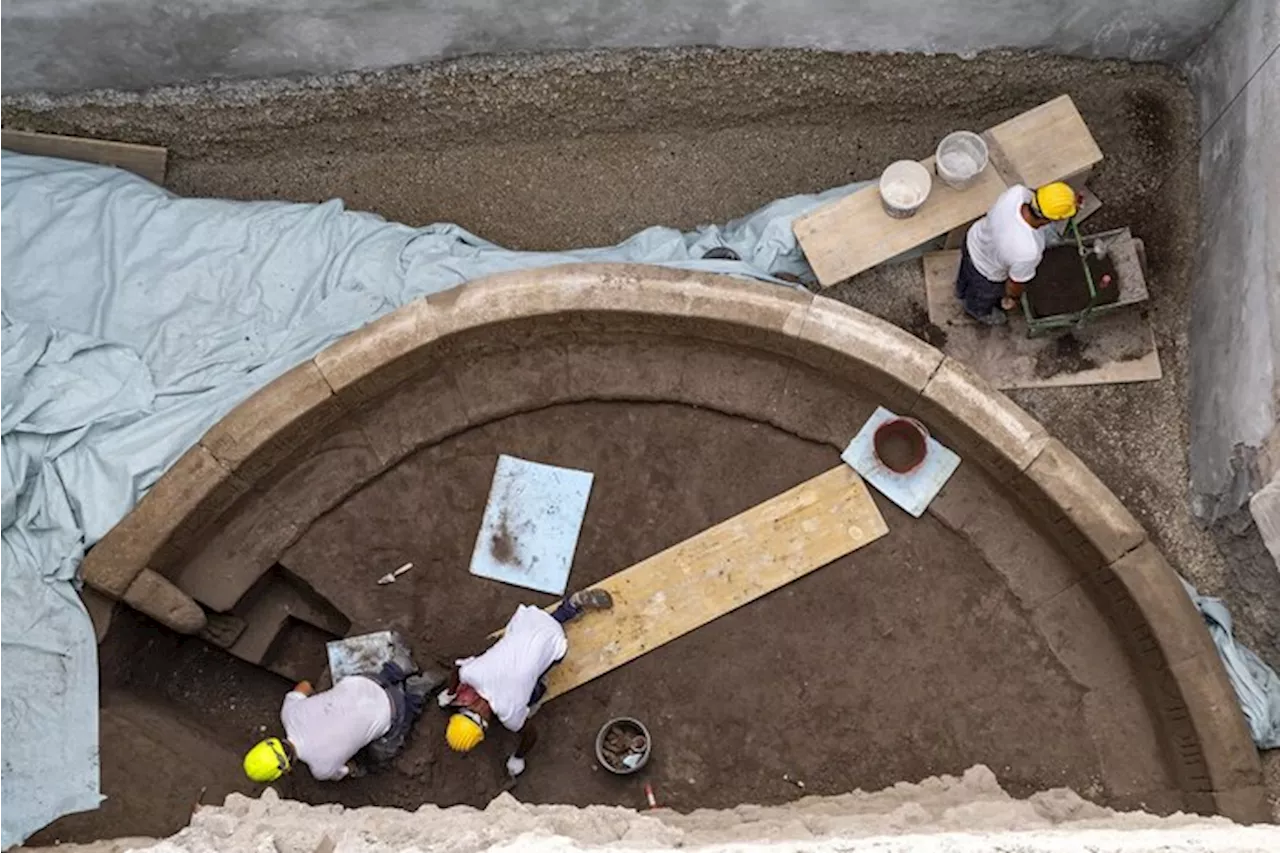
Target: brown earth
(1059,286)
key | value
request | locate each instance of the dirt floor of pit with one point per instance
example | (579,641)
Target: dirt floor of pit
(690,136)
(908,658)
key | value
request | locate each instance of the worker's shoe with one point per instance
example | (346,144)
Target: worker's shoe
(997,317)
(591,599)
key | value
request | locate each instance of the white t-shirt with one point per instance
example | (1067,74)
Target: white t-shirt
(505,675)
(1001,244)
(327,729)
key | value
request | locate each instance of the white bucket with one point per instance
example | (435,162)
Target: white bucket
(960,159)
(904,186)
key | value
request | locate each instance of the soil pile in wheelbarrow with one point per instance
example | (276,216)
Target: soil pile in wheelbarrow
(1060,287)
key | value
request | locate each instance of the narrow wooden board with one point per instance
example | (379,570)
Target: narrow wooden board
(1113,348)
(145,160)
(1048,143)
(852,234)
(722,568)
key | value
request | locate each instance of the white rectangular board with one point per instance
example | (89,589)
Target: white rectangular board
(531,524)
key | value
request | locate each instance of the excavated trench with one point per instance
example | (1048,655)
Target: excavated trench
(961,637)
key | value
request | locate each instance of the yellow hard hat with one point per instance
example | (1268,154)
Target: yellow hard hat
(267,761)
(465,731)
(1056,200)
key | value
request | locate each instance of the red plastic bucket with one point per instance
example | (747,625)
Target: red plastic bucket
(900,444)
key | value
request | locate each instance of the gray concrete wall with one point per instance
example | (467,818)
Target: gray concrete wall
(1235,311)
(72,45)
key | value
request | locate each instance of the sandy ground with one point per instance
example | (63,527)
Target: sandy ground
(955,814)
(581,149)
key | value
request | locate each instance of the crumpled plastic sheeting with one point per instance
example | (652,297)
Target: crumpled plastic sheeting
(132,321)
(1257,686)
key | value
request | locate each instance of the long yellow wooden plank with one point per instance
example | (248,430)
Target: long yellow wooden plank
(145,160)
(852,234)
(1048,143)
(719,570)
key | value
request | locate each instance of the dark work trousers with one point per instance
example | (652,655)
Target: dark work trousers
(406,707)
(979,294)
(564,612)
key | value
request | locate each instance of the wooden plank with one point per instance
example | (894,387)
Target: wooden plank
(1112,348)
(852,234)
(1048,143)
(145,160)
(722,568)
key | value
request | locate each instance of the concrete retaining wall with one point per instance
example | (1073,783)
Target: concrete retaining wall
(74,45)
(1235,311)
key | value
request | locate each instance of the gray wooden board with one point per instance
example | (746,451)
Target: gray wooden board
(145,160)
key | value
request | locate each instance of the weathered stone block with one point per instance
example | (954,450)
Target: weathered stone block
(1084,515)
(1084,642)
(151,594)
(196,490)
(979,422)
(1128,747)
(853,345)
(377,357)
(246,545)
(1229,752)
(1173,620)
(497,382)
(271,425)
(421,411)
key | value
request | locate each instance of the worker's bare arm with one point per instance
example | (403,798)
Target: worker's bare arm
(304,687)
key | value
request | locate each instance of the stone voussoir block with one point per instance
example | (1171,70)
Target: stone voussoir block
(380,355)
(1167,610)
(152,594)
(856,346)
(1087,518)
(983,424)
(271,425)
(186,497)
(1214,711)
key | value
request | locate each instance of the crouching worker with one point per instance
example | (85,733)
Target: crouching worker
(1003,249)
(325,730)
(507,681)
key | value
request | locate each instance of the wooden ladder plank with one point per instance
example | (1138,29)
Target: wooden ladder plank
(722,568)
(145,160)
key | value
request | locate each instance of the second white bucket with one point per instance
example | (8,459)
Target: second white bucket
(904,186)
(960,158)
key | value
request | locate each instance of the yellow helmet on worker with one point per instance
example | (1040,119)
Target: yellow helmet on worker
(1056,201)
(464,732)
(267,761)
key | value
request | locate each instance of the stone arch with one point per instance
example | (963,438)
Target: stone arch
(551,316)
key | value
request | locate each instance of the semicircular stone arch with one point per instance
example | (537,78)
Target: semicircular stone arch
(527,344)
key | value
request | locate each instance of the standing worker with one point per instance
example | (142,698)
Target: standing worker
(325,730)
(1003,248)
(507,680)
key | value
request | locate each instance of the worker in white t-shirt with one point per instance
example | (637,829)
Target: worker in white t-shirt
(506,681)
(325,730)
(1003,248)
